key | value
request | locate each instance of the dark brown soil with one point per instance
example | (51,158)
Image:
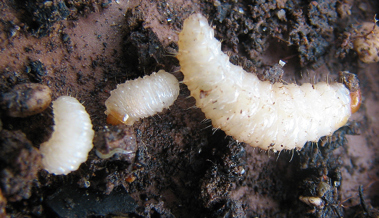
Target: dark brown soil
(177,165)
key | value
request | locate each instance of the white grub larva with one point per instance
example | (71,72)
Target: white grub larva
(142,97)
(71,140)
(268,116)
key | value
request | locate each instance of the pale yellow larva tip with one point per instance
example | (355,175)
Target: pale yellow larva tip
(115,118)
(112,120)
(356,100)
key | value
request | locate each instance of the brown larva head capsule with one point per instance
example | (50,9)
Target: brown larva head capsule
(355,100)
(115,118)
(352,83)
(25,100)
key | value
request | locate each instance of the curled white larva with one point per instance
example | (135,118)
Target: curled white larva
(268,116)
(141,98)
(71,140)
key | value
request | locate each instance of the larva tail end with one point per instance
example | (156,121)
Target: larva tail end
(352,83)
(115,118)
(342,123)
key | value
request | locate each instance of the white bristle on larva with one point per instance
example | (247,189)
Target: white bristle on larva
(71,140)
(268,116)
(142,97)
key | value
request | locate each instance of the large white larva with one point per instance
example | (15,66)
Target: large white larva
(268,116)
(71,140)
(141,98)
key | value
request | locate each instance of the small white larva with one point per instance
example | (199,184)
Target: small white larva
(142,97)
(71,140)
(268,116)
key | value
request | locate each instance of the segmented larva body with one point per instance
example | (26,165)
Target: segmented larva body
(142,97)
(71,140)
(264,115)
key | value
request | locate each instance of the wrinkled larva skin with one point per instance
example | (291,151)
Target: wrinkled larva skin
(142,97)
(268,116)
(71,140)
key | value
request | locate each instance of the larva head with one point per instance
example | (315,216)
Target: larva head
(352,83)
(355,100)
(115,118)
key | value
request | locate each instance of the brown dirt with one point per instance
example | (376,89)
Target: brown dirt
(181,167)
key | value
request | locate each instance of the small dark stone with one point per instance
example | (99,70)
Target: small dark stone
(36,71)
(71,201)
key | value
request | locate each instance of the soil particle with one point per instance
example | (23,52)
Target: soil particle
(119,140)
(345,44)
(320,173)
(44,14)
(69,201)
(25,100)
(36,70)
(244,62)
(272,73)
(20,163)
(10,78)
(145,48)
(366,43)
(228,208)
(249,28)
(220,178)
(156,210)
(349,80)
(143,45)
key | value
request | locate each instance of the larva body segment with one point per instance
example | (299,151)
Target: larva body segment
(71,140)
(142,97)
(264,115)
